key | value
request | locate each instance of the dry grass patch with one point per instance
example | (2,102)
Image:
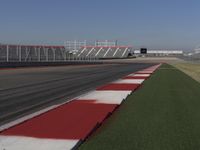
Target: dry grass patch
(190,69)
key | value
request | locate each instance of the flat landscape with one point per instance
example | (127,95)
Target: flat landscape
(162,115)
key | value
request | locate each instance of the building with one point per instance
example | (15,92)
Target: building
(164,52)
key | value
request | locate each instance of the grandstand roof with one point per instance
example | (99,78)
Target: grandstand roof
(106,46)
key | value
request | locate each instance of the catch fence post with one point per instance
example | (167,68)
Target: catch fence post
(7,53)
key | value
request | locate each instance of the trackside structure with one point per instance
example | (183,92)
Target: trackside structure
(104,51)
(161,52)
(30,53)
(72,50)
(74,46)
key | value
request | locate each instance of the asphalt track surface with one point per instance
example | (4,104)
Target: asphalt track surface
(24,91)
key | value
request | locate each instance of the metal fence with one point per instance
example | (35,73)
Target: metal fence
(23,53)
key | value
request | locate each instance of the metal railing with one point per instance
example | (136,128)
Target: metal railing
(23,53)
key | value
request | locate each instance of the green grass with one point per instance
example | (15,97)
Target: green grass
(163,115)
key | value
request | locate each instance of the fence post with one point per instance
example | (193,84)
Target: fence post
(54,54)
(39,54)
(7,53)
(20,53)
(65,56)
(47,54)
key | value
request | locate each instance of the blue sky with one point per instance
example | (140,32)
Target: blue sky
(150,23)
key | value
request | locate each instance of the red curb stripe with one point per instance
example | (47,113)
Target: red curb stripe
(135,77)
(121,87)
(142,73)
(74,120)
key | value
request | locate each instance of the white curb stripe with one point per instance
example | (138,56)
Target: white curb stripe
(129,81)
(139,75)
(106,97)
(28,143)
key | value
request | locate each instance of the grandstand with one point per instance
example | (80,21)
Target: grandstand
(101,50)
(104,51)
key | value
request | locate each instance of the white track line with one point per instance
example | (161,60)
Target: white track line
(20,120)
(27,117)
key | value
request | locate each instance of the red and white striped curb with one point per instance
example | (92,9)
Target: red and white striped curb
(65,126)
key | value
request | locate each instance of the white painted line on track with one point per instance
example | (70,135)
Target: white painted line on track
(20,120)
(129,81)
(27,117)
(29,143)
(106,97)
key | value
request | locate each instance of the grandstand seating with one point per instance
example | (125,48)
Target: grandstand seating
(104,52)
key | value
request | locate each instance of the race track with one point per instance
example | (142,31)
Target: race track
(24,91)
